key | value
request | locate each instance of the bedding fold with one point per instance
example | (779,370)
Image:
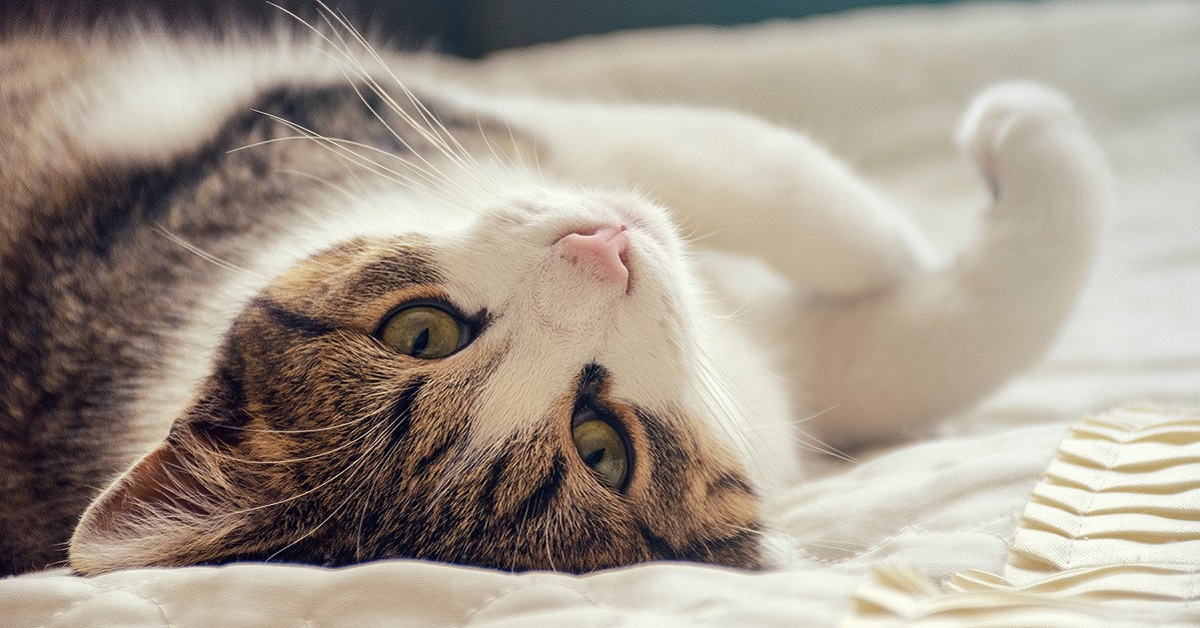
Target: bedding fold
(1112,533)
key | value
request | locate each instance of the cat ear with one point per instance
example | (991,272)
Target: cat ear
(161,508)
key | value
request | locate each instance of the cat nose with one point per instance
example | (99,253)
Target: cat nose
(605,251)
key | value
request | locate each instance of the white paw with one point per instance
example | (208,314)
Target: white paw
(1006,113)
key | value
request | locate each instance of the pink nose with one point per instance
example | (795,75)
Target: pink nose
(604,251)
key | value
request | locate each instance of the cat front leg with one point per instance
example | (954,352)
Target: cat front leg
(887,365)
(738,184)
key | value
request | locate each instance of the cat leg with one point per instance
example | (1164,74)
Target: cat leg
(890,363)
(737,182)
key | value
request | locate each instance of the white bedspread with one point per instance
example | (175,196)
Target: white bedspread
(884,89)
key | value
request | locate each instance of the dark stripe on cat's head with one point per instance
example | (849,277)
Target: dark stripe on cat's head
(544,493)
(401,413)
(291,320)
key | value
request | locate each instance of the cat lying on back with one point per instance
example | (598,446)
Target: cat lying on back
(371,323)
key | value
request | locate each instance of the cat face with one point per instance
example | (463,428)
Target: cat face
(513,393)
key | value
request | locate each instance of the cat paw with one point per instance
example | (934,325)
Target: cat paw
(1006,116)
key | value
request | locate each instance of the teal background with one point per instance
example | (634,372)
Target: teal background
(493,24)
(464,27)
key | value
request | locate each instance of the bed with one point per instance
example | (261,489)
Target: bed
(1069,498)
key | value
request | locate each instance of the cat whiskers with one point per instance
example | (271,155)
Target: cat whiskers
(793,544)
(357,440)
(433,129)
(520,159)
(806,440)
(715,396)
(824,449)
(378,437)
(354,468)
(430,127)
(207,256)
(368,499)
(537,162)
(321,454)
(430,173)
(378,91)
(801,543)
(725,394)
(689,231)
(346,47)
(549,551)
(358,200)
(512,165)
(326,428)
(345,150)
(372,482)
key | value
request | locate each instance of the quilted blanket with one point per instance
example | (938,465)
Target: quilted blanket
(1071,497)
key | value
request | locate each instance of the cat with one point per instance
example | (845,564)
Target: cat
(288,298)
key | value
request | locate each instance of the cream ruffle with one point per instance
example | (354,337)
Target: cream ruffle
(1110,534)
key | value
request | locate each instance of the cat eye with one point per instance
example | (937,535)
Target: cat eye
(602,448)
(424,331)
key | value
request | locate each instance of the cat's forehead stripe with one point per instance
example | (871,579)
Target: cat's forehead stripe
(292,320)
(543,496)
(400,268)
(400,417)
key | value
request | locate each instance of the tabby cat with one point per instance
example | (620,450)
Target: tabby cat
(288,299)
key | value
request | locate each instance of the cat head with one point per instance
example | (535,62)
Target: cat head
(517,392)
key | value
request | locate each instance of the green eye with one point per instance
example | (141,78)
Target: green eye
(423,332)
(602,449)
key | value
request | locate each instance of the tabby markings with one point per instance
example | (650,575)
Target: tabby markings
(539,500)
(292,320)
(401,415)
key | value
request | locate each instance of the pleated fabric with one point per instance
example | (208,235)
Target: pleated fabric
(1110,537)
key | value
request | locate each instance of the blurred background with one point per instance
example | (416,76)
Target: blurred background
(464,27)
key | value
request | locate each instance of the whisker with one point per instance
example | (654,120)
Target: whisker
(311,136)
(441,136)
(307,492)
(313,430)
(359,465)
(426,126)
(338,148)
(693,238)
(315,456)
(160,228)
(403,142)
(344,49)
(504,161)
(341,189)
